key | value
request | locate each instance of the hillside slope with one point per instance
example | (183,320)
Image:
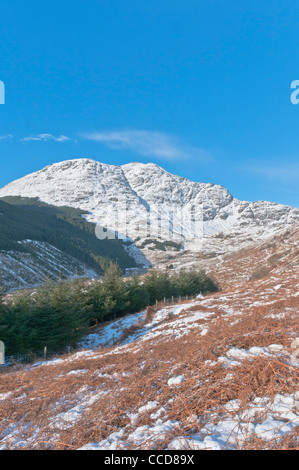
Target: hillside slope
(39,241)
(255,259)
(220,372)
(35,262)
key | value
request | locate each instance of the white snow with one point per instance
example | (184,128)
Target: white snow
(92,186)
(148,407)
(281,416)
(142,434)
(4,396)
(176,380)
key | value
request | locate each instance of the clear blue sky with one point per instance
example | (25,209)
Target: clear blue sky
(201,88)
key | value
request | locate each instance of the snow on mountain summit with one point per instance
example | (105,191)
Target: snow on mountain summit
(97,187)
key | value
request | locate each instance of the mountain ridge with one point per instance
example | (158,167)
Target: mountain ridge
(97,188)
(129,166)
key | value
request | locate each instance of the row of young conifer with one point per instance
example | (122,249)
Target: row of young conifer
(59,313)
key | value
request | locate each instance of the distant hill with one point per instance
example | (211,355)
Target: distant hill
(37,240)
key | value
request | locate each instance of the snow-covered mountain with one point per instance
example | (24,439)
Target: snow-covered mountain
(127,197)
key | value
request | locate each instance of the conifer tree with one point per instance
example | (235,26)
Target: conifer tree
(138,294)
(114,289)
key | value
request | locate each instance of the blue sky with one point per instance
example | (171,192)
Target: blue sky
(201,88)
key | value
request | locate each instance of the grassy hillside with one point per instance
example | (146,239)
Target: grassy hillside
(62,227)
(216,373)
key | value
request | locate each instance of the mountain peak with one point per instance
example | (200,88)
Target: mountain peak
(96,187)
